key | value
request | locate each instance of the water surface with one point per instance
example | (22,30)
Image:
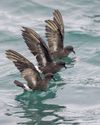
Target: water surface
(74,99)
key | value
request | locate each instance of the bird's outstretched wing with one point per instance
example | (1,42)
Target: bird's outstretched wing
(59,21)
(26,68)
(20,61)
(37,46)
(55,32)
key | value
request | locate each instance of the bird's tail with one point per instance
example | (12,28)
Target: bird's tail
(19,84)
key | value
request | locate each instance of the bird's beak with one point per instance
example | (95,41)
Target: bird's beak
(73,52)
(65,67)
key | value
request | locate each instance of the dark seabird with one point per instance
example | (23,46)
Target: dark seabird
(55,36)
(28,72)
(38,48)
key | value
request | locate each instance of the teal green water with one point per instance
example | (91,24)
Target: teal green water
(74,99)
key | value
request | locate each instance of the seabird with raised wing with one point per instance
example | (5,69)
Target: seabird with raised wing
(55,36)
(38,48)
(28,72)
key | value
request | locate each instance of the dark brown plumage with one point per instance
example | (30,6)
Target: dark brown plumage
(28,72)
(55,36)
(39,49)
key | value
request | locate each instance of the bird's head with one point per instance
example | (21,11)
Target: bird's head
(69,49)
(62,64)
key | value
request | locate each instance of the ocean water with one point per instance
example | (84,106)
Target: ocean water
(74,98)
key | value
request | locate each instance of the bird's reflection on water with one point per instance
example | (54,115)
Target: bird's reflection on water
(36,110)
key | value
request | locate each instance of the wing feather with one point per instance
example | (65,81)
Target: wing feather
(37,46)
(55,32)
(59,21)
(26,68)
